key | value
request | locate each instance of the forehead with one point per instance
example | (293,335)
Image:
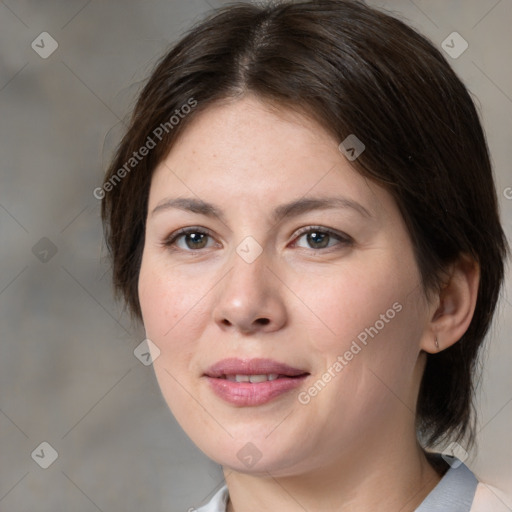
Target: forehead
(250,151)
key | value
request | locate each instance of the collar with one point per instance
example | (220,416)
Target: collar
(454,492)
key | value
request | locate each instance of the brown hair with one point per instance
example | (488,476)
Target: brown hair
(355,70)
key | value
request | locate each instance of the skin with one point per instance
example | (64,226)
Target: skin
(353,446)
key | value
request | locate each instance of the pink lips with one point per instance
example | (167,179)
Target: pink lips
(221,377)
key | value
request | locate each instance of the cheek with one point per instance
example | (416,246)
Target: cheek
(158,313)
(370,316)
(172,310)
(166,298)
(353,298)
(367,344)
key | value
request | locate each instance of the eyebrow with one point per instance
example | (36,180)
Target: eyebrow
(292,209)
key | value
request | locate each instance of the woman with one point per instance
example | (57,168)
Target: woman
(302,213)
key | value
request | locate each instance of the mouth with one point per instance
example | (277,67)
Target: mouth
(251,382)
(234,367)
(253,378)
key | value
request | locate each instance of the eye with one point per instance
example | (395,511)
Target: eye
(189,239)
(193,239)
(317,237)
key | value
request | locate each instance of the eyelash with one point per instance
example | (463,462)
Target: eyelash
(344,240)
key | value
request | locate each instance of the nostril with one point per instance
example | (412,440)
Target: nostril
(263,321)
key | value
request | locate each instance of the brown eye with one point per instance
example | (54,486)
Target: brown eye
(190,239)
(195,240)
(319,238)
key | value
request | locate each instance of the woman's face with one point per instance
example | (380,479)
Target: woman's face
(294,269)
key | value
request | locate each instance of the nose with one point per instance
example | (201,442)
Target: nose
(250,298)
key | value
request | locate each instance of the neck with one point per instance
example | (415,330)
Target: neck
(394,478)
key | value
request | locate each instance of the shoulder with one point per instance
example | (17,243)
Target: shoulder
(490,499)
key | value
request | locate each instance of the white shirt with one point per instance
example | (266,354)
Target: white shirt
(457,491)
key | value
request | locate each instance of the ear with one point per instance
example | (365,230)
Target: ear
(454,306)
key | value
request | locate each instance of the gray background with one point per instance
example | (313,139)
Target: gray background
(68,375)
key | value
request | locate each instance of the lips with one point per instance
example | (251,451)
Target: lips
(235,366)
(250,382)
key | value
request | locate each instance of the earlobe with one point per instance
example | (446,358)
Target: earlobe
(456,306)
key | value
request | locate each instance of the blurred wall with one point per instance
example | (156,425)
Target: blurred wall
(68,375)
